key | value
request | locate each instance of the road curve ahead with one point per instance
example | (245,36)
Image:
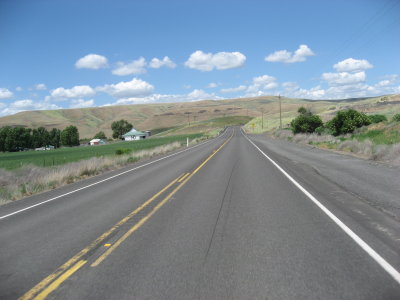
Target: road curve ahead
(232,218)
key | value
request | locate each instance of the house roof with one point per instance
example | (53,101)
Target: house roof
(134,132)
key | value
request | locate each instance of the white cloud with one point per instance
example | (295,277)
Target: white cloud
(92,61)
(352,65)
(132,68)
(5,93)
(26,104)
(201,95)
(261,85)
(390,80)
(287,57)
(81,103)
(127,89)
(156,63)
(18,89)
(212,85)
(234,90)
(221,61)
(40,87)
(195,95)
(79,91)
(344,78)
(187,86)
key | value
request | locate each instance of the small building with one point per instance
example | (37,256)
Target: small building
(135,135)
(48,147)
(97,142)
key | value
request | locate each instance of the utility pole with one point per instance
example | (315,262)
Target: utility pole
(280,113)
(262,118)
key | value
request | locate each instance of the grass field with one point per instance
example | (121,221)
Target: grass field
(61,156)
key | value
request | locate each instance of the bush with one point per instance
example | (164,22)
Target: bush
(346,121)
(322,130)
(396,118)
(306,123)
(123,151)
(377,118)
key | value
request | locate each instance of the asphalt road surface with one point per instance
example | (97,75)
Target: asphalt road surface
(236,217)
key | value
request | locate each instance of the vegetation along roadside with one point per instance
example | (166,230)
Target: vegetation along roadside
(27,173)
(371,137)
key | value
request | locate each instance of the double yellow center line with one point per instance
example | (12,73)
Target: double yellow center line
(54,280)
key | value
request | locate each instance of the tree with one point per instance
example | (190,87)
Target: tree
(4,132)
(100,135)
(306,122)
(120,127)
(346,121)
(55,137)
(70,136)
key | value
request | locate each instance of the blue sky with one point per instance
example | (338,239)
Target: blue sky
(66,53)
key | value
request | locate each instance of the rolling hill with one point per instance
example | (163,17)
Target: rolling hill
(168,115)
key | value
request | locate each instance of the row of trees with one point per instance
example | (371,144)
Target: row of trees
(20,138)
(345,121)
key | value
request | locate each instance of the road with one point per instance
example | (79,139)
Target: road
(236,217)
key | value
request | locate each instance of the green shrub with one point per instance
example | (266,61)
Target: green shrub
(377,118)
(123,151)
(322,130)
(346,121)
(396,118)
(306,123)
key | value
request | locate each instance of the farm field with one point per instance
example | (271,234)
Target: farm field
(64,155)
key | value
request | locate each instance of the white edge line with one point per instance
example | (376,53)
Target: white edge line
(103,180)
(371,252)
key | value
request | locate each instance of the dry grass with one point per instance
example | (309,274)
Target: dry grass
(366,148)
(30,180)
(315,139)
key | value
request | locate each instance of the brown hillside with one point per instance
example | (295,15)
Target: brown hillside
(150,116)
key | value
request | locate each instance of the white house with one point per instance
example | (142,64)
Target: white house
(97,142)
(135,135)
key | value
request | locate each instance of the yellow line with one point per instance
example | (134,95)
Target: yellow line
(41,285)
(152,212)
(187,174)
(60,280)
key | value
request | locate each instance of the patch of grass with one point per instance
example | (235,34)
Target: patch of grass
(379,137)
(62,156)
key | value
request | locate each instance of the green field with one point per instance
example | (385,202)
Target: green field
(61,156)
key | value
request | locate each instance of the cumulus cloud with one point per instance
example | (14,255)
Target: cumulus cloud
(156,63)
(92,61)
(221,61)
(288,57)
(134,67)
(24,105)
(18,89)
(194,95)
(234,90)
(81,103)
(5,93)
(127,89)
(352,65)
(40,87)
(344,78)
(79,91)
(261,85)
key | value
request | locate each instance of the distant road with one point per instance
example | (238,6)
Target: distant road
(237,217)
